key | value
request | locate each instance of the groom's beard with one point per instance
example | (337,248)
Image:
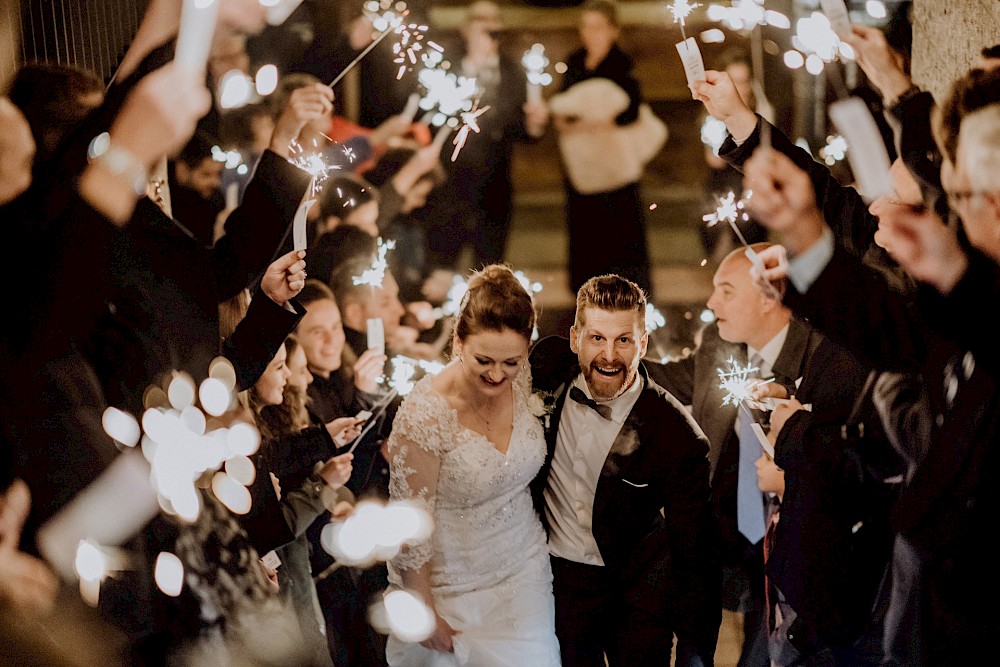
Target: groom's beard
(605,386)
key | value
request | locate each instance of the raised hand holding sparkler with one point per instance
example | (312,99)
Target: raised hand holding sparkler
(719,95)
(305,105)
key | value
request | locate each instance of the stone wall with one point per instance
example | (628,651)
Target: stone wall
(947,38)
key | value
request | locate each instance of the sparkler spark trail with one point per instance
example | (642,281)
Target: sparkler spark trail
(713,133)
(736,381)
(314,163)
(681,9)
(729,210)
(834,151)
(405,368)
(375,274)
(654,318)
(469,122)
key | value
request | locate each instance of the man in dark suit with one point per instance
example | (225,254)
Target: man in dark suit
(623,494)
(756,329)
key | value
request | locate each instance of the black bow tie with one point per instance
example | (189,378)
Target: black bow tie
(577,395)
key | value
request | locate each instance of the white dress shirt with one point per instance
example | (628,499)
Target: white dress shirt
(582,445)
(769,353)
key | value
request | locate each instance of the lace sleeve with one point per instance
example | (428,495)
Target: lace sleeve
(415,448)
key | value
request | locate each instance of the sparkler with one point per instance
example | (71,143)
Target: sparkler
(729,210)
(446,92)
(713,133)
(816,43)
(180,448)
(375,274)
(386,24)
(681,9)
(404,369)
(535,61)
(312,162)
(736,381)
(654,318)
(751,15)
(470,122)
(835,150)
(375,532)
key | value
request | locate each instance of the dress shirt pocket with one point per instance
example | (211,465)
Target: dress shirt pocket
(635,485)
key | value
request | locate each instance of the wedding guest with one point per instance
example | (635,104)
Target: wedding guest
(195,187)
(602,190)
(55,99)
(624,494)
(941,607)
(473,207)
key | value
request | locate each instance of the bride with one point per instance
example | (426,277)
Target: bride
(465,445)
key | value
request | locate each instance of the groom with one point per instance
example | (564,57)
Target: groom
(623,494)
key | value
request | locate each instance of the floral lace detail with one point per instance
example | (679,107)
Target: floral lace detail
(485,526)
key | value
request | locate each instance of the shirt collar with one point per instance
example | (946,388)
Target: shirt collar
(771,350)
(622,404)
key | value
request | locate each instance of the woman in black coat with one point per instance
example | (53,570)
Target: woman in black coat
(607,230)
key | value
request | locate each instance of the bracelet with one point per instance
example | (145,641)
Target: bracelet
(119,162)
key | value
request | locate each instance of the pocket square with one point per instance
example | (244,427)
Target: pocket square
(638,486)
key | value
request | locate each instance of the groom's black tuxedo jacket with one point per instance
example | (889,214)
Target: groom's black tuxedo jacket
(667,561)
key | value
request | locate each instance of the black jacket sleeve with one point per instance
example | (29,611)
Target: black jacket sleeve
(843,208)
(255,230)
(258,336)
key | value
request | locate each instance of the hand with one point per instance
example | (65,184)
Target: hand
(242,16)
(419,315)
(770,478)
(775,261)
(759,391)
(783,199)
(881,64)
(344,429)
(390,128)
(341,511)
(272,577)
(160,114)
(441,639)
(420,163)
(305,104)
(26,583)
(723,101)
(276,484)
(285,277)
(337,470)
(781,414)
(368,369)
(401,337)
(536,117)
(922,244)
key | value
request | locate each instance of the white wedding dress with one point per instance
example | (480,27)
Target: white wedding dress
(489,563)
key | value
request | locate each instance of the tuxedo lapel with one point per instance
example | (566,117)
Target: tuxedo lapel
(793,359)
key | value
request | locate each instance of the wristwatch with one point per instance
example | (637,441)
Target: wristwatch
(119,162)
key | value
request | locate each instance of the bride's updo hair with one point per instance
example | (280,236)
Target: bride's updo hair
(496,300)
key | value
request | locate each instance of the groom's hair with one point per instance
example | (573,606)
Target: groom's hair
(610,292)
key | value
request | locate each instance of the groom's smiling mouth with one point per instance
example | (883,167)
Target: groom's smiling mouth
(608,371)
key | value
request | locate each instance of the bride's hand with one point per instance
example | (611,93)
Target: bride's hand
(440,640)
